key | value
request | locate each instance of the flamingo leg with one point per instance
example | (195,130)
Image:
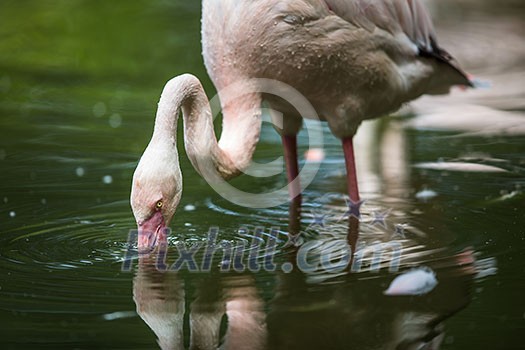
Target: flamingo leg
(353,193)
(351,175)
(292,167)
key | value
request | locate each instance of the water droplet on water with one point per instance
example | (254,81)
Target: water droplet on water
(115,120)
(189,207)
(80,171)
(108,179)
(287,267)
(12,214)
(99,109)
(119,315)
(426,194)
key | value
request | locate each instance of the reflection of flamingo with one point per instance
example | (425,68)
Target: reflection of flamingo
(300,315)
(352,59)
(160,299)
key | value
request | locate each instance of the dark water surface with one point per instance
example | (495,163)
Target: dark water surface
(79,83)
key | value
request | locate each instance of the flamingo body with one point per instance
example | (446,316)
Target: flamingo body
(351,59)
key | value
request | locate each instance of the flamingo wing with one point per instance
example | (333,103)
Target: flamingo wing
(407,19)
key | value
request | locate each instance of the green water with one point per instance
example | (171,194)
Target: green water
(79,83)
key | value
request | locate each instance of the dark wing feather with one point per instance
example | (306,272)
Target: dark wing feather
(408,17)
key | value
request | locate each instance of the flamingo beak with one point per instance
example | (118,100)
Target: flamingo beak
(152,231)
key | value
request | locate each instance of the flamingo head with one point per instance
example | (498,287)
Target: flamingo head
(155,193)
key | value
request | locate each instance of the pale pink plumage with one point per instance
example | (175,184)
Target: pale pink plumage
(351,59)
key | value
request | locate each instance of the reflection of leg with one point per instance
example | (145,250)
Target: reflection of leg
(352,238)
(206,315)
(246,319)
(294,219)
(292,167)
(205,324)
(351,174)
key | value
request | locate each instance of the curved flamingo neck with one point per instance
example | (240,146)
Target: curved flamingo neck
(239,136)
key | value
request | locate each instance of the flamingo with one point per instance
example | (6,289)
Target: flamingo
(351,59)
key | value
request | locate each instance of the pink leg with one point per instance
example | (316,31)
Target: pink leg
(353,193)
(292,167)
(348,148)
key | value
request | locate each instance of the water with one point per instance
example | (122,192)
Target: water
(79,82)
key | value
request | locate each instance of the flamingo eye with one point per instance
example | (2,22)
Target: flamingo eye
(159,205)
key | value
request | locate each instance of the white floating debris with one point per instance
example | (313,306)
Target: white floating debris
(189,207)
(12,214)
(426,194)
(108,179)
(187,224)
(507,196)
(99,109)
(415,282)
(460,166)
(80,171)
(115,120)
(119,315)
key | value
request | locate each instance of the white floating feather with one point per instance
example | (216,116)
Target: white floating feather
(415,282)
(426,194)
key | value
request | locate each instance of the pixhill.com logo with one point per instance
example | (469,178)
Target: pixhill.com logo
(322,254)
